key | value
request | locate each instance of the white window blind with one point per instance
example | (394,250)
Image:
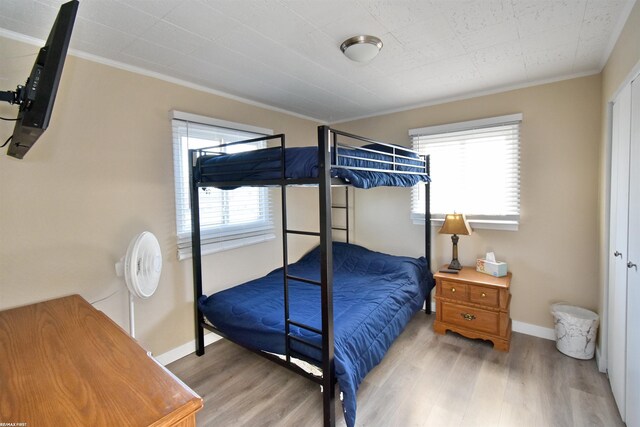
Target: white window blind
(229,218)
(475,170)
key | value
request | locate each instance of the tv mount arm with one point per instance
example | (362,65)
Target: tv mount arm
(14,97)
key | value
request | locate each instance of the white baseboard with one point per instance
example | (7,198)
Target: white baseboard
(533,330)
(184,350)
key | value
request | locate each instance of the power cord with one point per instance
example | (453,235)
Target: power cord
(6,142)
(104,298)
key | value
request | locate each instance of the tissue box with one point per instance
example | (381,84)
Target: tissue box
(496,269)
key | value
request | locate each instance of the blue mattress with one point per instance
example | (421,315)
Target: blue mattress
(302,162)
(375,295)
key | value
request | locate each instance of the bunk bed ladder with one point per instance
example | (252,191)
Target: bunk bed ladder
(285,262)
(287,277)
(326,276)
(345,207)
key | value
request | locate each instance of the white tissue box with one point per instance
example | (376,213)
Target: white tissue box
(494,268)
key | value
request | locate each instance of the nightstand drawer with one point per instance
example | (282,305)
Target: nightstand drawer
(472,318)
(454,290)
(484,296)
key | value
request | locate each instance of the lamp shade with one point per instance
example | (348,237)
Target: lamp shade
(455,224)
(361,48)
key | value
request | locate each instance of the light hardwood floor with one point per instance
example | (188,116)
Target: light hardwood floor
(424,380)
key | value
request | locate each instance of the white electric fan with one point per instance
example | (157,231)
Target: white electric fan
(141,268)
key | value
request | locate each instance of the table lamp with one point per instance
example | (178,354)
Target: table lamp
(455,224)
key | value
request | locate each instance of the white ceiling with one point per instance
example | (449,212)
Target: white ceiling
(285,53)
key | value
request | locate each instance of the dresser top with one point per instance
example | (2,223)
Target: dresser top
(470,275)
(66,363)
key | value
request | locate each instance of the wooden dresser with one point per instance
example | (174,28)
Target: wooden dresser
(475,305)
(64,363)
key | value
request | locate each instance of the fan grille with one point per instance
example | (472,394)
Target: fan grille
(143,264)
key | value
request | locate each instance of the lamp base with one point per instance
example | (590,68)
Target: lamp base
(455,264)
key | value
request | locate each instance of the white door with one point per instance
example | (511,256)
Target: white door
(617,313)
(633,259)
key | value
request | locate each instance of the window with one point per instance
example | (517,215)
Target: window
(475,168)
(229,218)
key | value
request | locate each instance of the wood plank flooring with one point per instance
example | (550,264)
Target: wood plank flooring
(424,380)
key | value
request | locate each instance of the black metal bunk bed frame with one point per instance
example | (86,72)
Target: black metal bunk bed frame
(328,155)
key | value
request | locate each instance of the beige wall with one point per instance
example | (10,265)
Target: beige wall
(102,173)
(623,62)
(553,254)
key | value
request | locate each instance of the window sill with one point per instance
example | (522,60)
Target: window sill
(477,224)
(226,245)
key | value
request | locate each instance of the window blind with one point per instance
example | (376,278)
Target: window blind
(229,218)
(475,170)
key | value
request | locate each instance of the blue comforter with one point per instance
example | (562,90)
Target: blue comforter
(302,162)
(374,297)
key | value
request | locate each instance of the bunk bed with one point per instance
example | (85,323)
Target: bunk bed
(332,315)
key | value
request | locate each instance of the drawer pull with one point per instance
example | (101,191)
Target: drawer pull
(468,316)
(483,295)
(453,290)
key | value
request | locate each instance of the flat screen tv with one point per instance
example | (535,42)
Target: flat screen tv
(35,99)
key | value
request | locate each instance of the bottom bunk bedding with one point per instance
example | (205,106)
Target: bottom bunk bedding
(374,297)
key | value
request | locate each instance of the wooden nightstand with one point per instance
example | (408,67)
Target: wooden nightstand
(475,305)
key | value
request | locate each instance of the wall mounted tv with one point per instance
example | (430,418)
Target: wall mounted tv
(35,99)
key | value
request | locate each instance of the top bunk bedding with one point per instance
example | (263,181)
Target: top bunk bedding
(369,166)
(374,297)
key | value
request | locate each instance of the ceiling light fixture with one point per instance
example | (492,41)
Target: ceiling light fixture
(361,48)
